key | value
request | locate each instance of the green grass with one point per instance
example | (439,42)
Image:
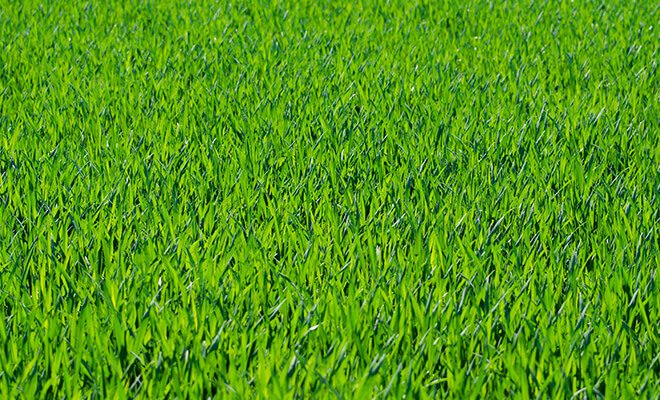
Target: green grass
(294,199)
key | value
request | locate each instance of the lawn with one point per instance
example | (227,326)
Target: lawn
(329,199)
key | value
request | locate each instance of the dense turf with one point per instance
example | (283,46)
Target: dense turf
(334,199)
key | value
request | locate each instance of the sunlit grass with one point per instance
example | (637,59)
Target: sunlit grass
(303,199)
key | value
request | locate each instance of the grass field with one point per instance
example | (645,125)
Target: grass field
(295,199)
